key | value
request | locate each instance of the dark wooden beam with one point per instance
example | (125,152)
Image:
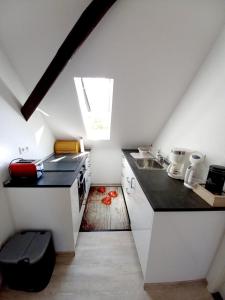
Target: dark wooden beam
(81,30)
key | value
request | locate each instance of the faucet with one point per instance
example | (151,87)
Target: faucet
(161,159)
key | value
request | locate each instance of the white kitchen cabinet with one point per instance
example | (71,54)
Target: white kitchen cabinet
(76,214)
(171,245)
(53,208)
(140,213)
(183,245)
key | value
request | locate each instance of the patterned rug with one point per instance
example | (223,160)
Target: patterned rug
(105,210)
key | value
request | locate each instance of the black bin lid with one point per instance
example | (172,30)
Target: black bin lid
(26,245)
(38,247)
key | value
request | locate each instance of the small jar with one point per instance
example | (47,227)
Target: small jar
(215,180)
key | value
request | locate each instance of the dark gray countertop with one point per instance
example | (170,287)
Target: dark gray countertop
(62,163)
(56,174)
(165,193)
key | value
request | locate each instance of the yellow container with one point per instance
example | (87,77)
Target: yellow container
(66,146)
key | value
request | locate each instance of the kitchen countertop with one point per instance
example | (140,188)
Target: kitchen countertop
(165,193)
(62,162)
(56,174)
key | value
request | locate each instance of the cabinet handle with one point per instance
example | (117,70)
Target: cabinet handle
(131,183)
(128,180)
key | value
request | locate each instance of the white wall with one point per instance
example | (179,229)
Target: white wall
(15,132)
(152,49)
(199,120)
(105,163)
(32,31)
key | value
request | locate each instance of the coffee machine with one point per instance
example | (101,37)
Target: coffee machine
(178,161)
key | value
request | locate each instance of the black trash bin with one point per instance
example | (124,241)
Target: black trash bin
(27,260)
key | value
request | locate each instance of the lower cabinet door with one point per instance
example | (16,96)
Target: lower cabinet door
(140,213)
(141,220)
(75,209)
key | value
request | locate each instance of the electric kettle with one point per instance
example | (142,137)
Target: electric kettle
(189,178)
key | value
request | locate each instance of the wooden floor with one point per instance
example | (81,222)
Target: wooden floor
(105,212)
(106,267)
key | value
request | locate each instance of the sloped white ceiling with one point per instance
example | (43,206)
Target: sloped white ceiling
(152,49)
(32,31)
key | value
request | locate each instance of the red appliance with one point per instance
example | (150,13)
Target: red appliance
(26,169)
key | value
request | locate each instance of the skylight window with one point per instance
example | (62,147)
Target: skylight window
(95,99)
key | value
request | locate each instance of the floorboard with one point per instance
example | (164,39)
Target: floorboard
(105,267)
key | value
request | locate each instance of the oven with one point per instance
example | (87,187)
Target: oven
(81,185)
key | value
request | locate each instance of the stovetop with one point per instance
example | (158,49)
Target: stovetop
(62,162)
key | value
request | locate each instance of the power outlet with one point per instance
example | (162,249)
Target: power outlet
(23,150)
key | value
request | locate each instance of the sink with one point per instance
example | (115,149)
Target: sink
(148,164)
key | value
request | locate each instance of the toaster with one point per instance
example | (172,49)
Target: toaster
(26,169)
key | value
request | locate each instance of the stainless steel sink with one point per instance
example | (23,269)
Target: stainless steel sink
(148,164)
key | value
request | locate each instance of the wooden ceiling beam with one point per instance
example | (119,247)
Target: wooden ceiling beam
(81,30)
